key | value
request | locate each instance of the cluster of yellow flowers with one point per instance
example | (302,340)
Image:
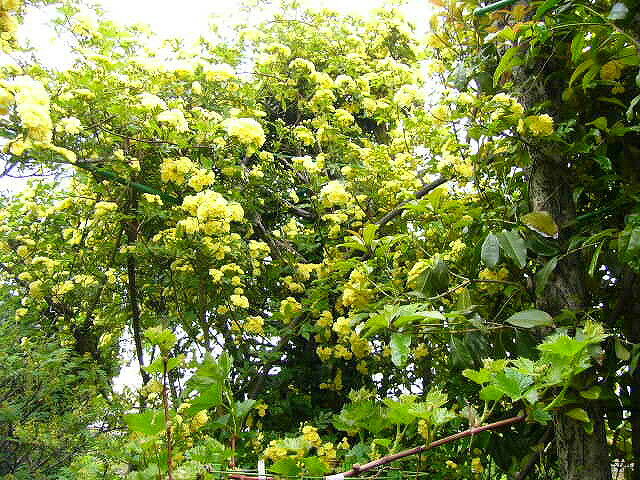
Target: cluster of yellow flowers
(334,193)
(311,435)
(261,407)
(8,22)
(307,163)
(356,292)
(218,72)
(274,451)
(538,125)
(199,420)
(304,135)
(292,285)
(103,208)
(70,125)
(248,131)
(150,101)
(175,169)
(290,309)
(476,465)
(254,324)
(406,95)
(32,106)
(259,249)
(612,70)
(505,105)
(174,118)
(239,300)
(213,212)
(336,384)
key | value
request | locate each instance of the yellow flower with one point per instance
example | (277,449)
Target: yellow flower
(70,125)
(612,70)
(540,125)
(151,101)
(199,420)
(218,72)
(334,193)
(239,301)
(102,208)
(261,408)
(202,178)
(304,135)
(476,465)
(174,118)
(32,106)
(254,324)
(290,308)
(246,130)
(311,435)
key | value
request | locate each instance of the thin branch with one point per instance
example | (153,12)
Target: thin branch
(418,195)
(357,469)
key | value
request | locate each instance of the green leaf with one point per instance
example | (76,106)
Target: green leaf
(592,393)
(478,376)
(514,247)
(149,423)
(577,44)
(243,408)
(314,466)
(594,259)
(540,415)
(286,467)
(545,7)
(621,352)
(600,123)
(578,414)
(512,383)
(507,61)
(211,397)
(490,253)
(580,69)
(157,366)
(491,393)
(369,234)
(543,275)
(400,343)
(531,319)
(542,223)
(562,345)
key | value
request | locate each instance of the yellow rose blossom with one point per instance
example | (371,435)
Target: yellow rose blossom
(334,193)
(540,125)
(246,130)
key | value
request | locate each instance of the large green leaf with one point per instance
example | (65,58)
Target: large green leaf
(531,319)
(508,61)
(578,414)
(287,467)
(157,366)
(490,253)
(399,344)
(314,466)
(514,247)
(542,223)
(543,275)
(150,422)
(512,383)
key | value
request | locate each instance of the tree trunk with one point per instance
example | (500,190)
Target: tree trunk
(581,456)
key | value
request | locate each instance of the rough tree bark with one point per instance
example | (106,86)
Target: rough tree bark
(581,456)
